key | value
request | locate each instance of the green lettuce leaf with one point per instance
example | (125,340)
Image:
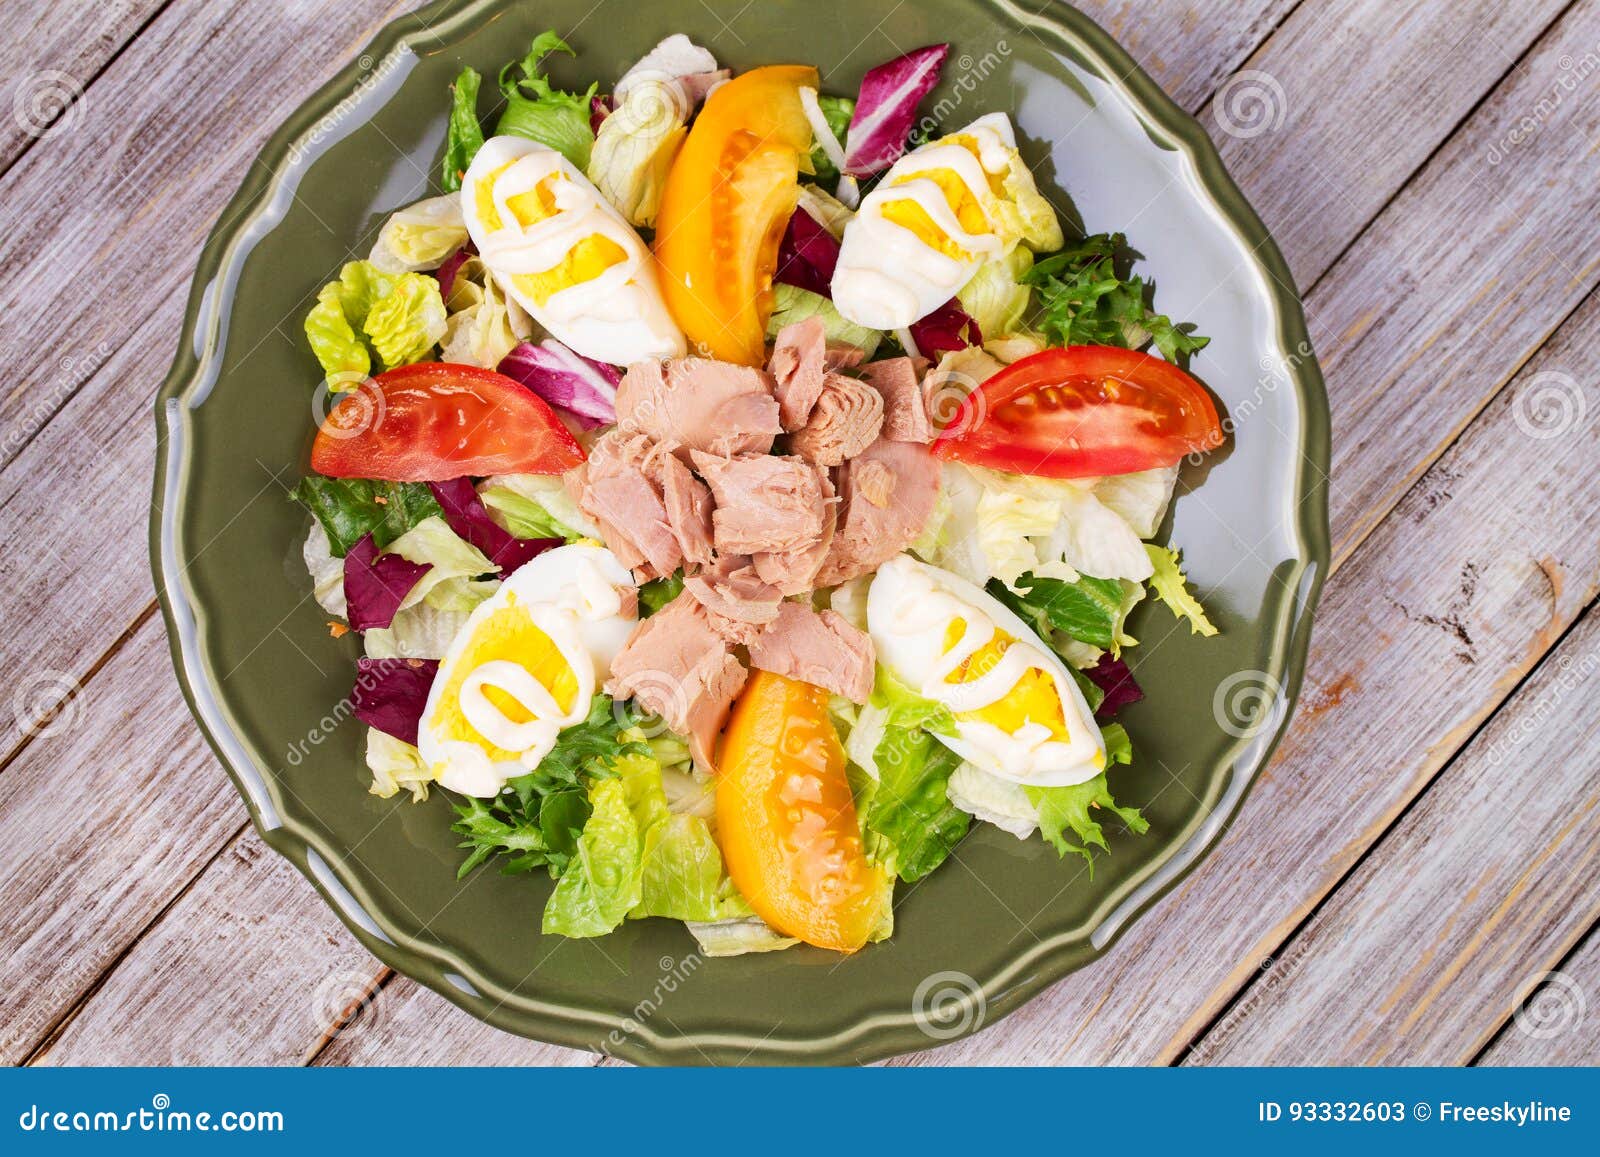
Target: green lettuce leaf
(603,880)
(1088,296)
(541,113)
(634,151)
(1066,809)
(399,317)
(657,593)
(792,304)
(909,811)
(837,111)
(396,764)
(351,508)
(534,506)
(1090,610)
(447,556)
(465,136)
(420,236)
(995,297)
(1171,587)
(516,824)
(906,708)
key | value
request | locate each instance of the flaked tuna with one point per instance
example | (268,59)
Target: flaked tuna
(845,421)
(905,411)
(818,648)
(764,503)
(698,404)
(886,496)
(619,489)
(736,599)
(675,665)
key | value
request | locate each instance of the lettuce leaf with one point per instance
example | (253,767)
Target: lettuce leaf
(635,147)
(465,136)
(946,330)
(469,518)
(909,810)
(1171,587)
(604,879)
(1088,296)
(580,386)
(657,593)
(396,764)
(1089,609)
(541,113)
(327,571)
(995,297)
(1064,809)
(985,796)
(420,236)
(431,543)
(399,317)
(534,506)
(377,585)
(792,304)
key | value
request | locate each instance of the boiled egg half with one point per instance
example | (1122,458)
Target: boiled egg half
(1018,712)
(939,213)
(565,254)
(525,666)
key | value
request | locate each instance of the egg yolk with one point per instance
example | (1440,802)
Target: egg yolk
(585,261)
(908,214)
(1033,699)
(511,635)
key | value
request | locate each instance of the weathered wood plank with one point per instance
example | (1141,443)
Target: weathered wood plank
(1421,956)
(409,1025)
(50,55)
(124,200)
(103,819)
(1462,277)
(1419,638)
(1559,1021)
(1330,117)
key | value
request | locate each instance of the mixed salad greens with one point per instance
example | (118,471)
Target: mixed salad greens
(488,357)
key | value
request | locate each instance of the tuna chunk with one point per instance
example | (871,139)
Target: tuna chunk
(736,600)
(886,496)
(794,571)
(822,649)
(688,504)
(675,665)
(905,412)
(696,404)
(798,358)
(619,489)
(764,503)
(845,421)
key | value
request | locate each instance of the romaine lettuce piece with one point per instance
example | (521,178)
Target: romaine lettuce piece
(995,298)
(1001,802)
(349,508)
(396,764)
(604,881)
(399,317)
(465,135)
(327,571)
(635,148)
(420,236)
(535,506)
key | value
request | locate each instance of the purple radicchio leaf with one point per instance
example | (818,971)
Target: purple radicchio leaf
(807,255)
(887,107)
(1113,677)
(580,386)
(469,518)
(600,107)
(390,694)
(375,585)
(946,328)
(446,273)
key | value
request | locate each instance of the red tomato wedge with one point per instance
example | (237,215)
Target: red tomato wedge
(435,421)
(1082,412)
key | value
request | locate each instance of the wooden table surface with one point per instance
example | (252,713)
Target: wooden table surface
(1412,880)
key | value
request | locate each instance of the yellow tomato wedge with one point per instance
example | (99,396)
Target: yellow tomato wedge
(727,201)
(787,822)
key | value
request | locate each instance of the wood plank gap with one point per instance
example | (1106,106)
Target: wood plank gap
(38,726)
(1558,964)
(83,94)
(1422,165)
(1315,912)
(54,1031)
(352,1012)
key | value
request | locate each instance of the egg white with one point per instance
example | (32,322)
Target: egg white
(909,608)
(573,594)
(887,277)
(619,316)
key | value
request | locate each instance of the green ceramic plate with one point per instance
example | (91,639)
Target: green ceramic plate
(981,936)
